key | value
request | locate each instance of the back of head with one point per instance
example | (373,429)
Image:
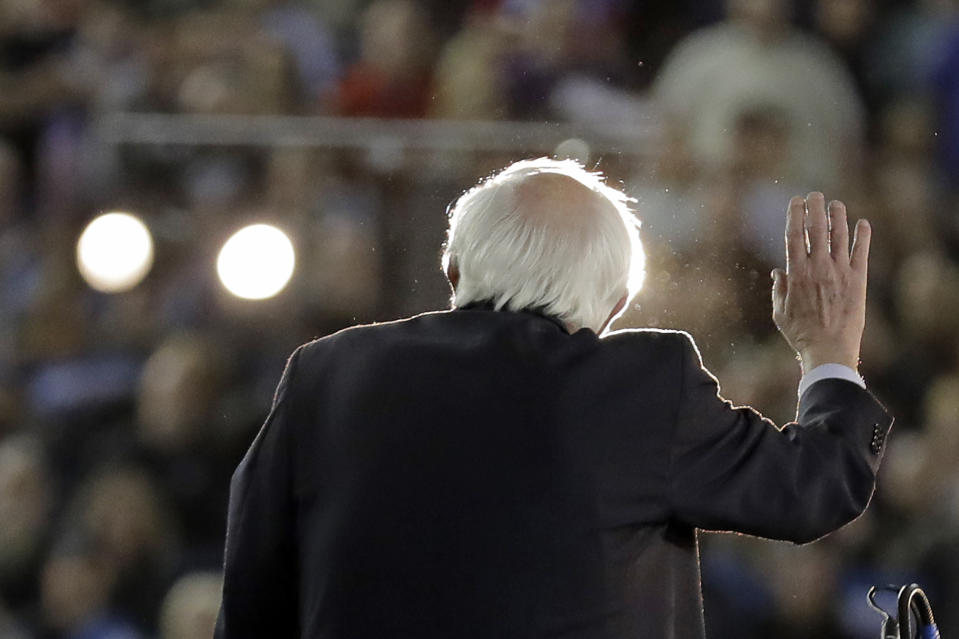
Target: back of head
(548,235)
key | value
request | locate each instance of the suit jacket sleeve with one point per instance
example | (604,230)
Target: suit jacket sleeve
(260,576)
(731,469)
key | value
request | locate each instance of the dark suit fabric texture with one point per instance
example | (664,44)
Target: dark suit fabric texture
(484,474)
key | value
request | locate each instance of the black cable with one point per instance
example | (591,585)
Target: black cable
(913,600)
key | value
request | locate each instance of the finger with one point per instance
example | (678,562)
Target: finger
(779,292)
(795,235)
(860,245)
(838,232)
(817,226)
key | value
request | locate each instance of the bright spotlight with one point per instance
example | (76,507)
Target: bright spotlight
(256,262)
(114,252)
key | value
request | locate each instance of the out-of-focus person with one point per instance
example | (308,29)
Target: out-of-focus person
(940,543)
(469,78)
(26,506)
(756,59)
(179,435)
(178,387)
(121,512)
(18,261)
(189,608)
(76,585)
(908,47)
(299,28)
(224,61)
(850,27)
(392,78)
(925,293)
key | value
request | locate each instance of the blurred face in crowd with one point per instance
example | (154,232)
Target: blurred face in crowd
(74,588)
(190,607)
(941,410)
(178,384)
(24,502)
(927,297)
(761,141)
(908,485)
(122,511)
(803,582)
(394,37)
(843,21)
(766,17)
(546,28)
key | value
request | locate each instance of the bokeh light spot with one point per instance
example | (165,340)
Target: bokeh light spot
(256,262)
(573,149)
(114,252)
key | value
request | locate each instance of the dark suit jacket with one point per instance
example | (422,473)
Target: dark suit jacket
(482,474)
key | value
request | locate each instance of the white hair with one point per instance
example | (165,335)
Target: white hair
(548,235)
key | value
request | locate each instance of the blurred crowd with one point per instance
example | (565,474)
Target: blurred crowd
(122,416)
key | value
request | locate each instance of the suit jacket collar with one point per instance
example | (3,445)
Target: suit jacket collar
(489,306)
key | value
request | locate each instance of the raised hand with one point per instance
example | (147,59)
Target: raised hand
(819,301)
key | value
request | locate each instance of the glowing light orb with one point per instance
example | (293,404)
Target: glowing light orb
(256,262)
(114,252)
(573,149)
